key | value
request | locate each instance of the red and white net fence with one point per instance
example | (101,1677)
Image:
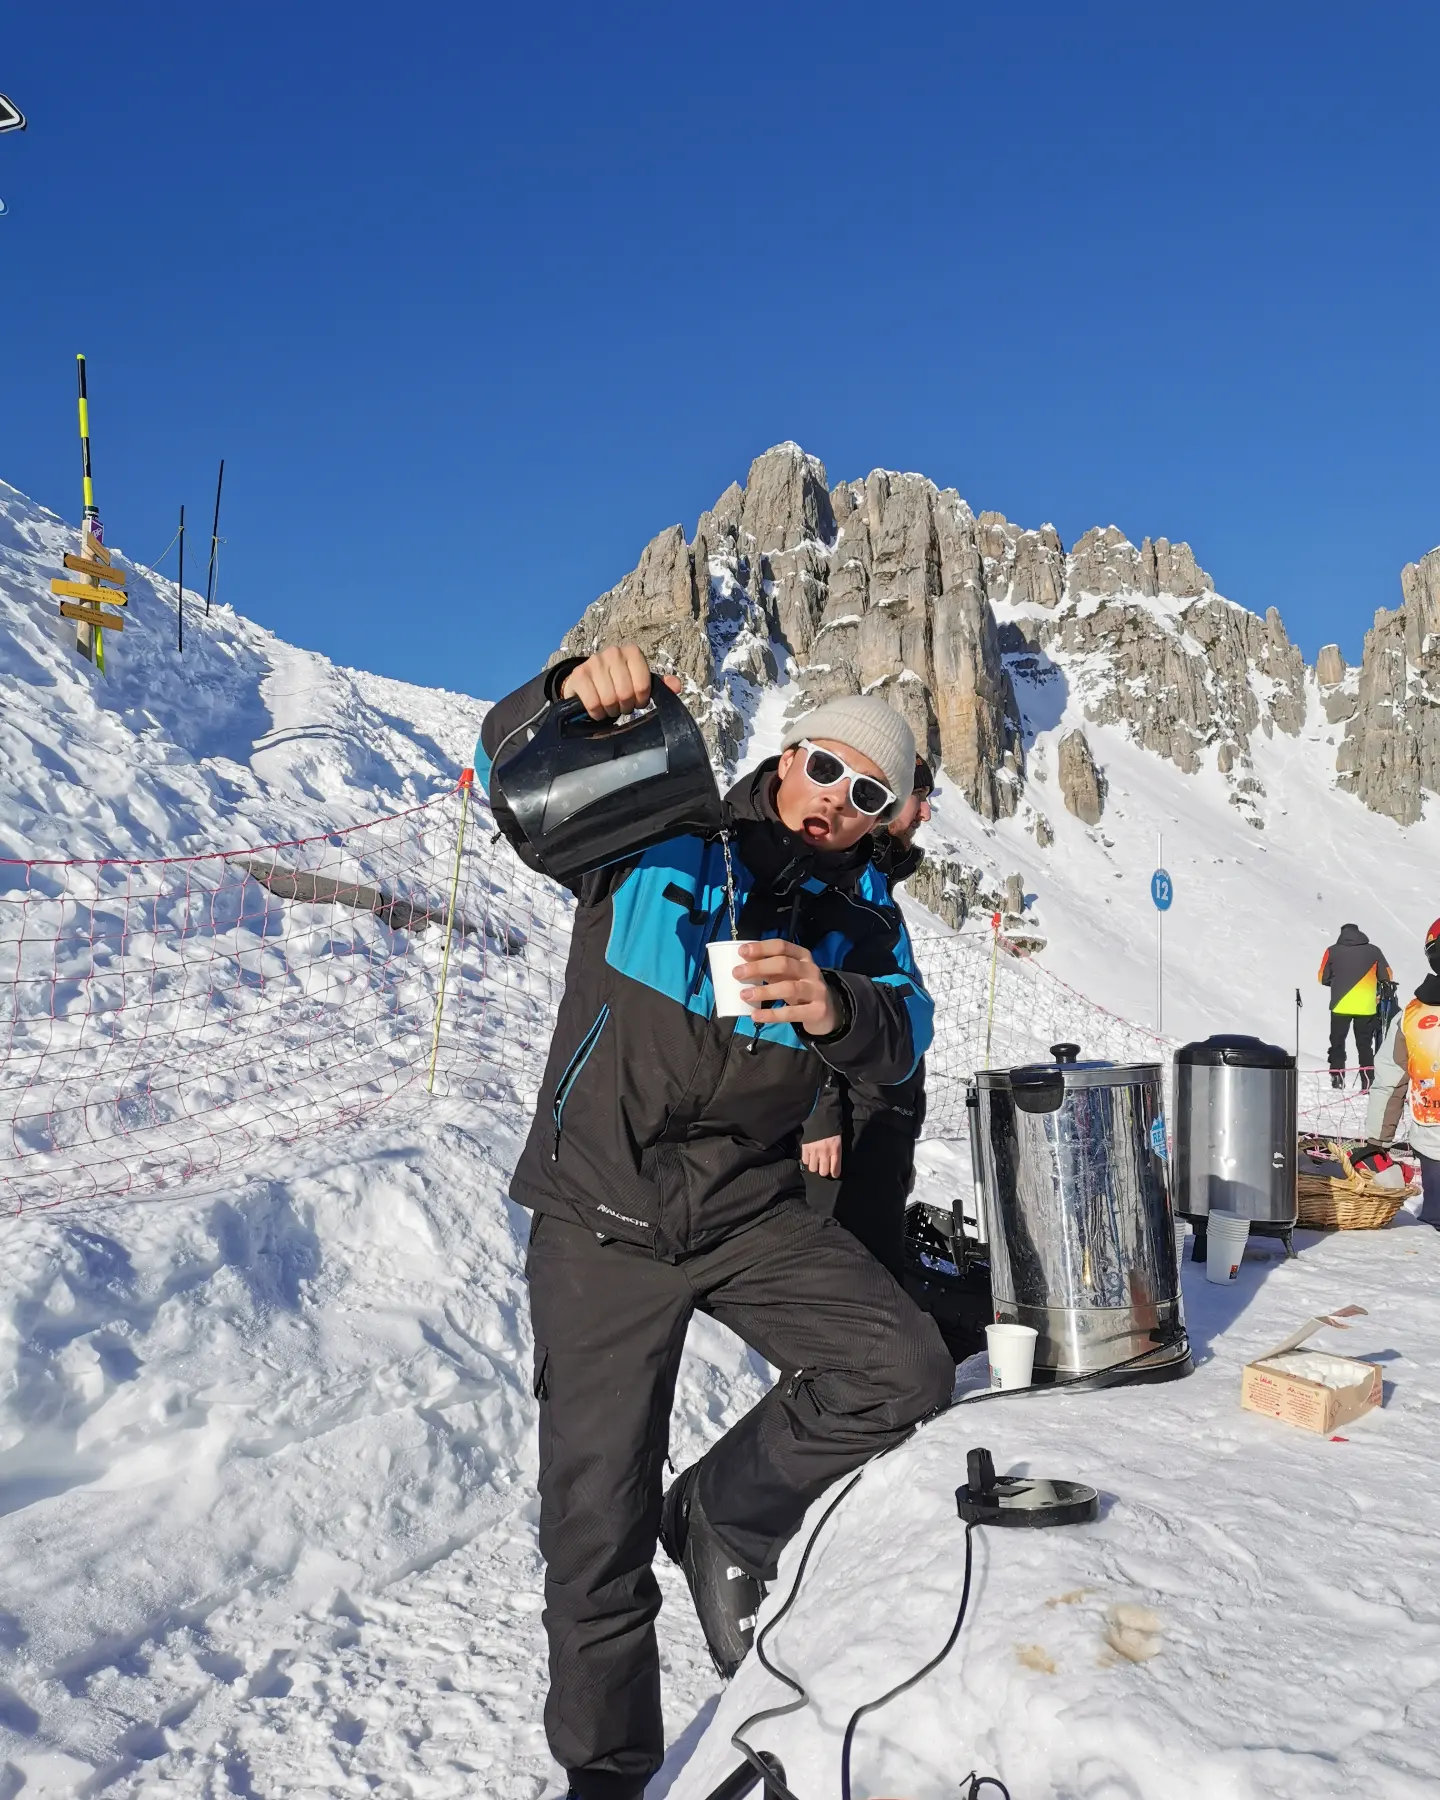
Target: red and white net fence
(996,1008)
(162,1022)
(167,1022)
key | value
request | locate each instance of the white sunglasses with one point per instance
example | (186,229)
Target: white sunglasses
(825,769)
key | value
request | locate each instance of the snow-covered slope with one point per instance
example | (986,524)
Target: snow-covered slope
(266,1520)
(1253,909)
(242,739)
(266,1450)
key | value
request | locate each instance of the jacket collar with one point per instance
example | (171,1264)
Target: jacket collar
(775,856)
(894,863)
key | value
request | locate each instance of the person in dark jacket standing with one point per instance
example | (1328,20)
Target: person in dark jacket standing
(858,1146)
(1353,968)
(663,1172)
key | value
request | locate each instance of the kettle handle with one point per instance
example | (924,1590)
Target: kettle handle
(573,720)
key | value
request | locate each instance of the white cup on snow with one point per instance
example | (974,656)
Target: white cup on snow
(1011,1349)
(724,960)
(1225,1236)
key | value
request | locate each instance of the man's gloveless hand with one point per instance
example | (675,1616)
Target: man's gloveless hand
(613,681)
(791,976)
(822,1156)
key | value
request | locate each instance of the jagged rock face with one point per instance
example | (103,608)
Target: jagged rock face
(1338,685)
(1106,562)
(1330,666)
(906,614)
(878,587)
(892,585)
(1391,753)
(953,889)
(1021,567)
(1150,645)
(1081,782)
(690,609)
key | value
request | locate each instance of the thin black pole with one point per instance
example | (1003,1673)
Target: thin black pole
(180,591)
(214,541)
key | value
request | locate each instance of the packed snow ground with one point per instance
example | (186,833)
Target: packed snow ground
(1278,1587)
(266,1451)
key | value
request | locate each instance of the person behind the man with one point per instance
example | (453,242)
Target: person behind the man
(1408,1069)
(858,1146)
(1353,968)
(663,1172)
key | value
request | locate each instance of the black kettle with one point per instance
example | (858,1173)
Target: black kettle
(586,792)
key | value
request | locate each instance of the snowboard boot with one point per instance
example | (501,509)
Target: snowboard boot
(599,1784)
(726,1598)
(1337,1078)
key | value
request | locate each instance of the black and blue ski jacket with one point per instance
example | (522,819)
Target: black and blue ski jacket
(658,1123)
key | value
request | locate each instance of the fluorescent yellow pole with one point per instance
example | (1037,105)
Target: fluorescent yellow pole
(89,640)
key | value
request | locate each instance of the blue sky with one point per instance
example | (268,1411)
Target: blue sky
(475,300)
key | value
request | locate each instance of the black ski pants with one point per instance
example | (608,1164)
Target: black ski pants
(610,1325)
(1367,1041)
(877,1171)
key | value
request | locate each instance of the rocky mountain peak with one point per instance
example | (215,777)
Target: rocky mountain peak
(981,632)
(1391,754)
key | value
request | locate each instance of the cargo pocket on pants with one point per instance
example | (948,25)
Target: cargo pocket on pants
(540,1388)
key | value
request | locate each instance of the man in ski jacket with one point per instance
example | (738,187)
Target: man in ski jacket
(858,1146)
(1408,1069)
(1353,968)
(663,1172)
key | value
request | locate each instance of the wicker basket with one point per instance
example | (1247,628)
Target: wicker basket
(1356,1203)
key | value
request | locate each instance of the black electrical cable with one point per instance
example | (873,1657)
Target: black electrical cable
(919,1675)
(777,1787)
(1096,1381)
(737,1737)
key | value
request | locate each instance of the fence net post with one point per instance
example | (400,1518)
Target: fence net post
(467,781)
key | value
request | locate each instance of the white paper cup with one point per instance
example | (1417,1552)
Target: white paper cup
(1182,1233)
(1011,1350)
(724,960)
(1225,1237)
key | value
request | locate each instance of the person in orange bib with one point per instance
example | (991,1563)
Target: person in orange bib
(1353,968)
(1408,1068)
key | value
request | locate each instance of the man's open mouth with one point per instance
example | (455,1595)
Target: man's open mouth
(816,827)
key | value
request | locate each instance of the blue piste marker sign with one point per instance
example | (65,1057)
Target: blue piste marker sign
(1162,889)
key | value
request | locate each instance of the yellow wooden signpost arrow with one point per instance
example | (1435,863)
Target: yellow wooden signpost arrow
(87,615)
(95,570)
(82,590)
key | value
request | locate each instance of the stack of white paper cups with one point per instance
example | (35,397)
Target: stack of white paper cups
(1224,1245)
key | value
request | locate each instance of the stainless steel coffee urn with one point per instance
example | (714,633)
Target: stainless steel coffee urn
(1070,1160)
(1235,1134)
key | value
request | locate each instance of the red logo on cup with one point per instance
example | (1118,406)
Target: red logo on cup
(1430,1021)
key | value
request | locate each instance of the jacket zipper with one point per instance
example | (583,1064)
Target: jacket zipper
(572,1075)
